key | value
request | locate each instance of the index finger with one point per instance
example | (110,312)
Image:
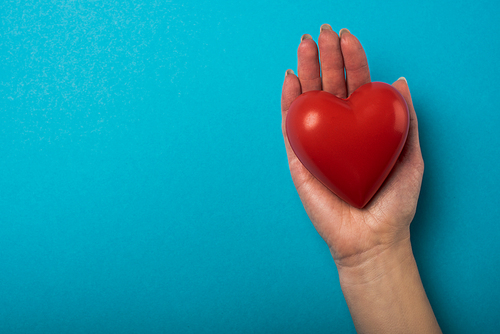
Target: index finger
(355,62)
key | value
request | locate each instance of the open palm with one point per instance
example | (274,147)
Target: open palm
(352,234)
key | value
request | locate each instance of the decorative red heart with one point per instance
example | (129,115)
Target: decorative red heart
(350,145)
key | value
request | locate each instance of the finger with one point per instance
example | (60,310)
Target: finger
(308,67)
(312,192)
(291,90)
(411,150)
(332,63)
(356,65)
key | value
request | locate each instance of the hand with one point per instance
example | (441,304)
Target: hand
(371,246)
(353,235)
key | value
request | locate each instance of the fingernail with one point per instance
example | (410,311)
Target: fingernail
(343,31)
(404,79)
(305,36)
(325,26)
(288,72)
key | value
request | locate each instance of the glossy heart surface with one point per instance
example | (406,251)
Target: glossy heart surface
(350,145)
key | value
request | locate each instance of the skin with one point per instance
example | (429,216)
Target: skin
(370,246)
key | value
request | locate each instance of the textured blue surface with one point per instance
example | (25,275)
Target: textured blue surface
(143,178)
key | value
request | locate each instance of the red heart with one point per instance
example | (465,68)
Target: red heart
(350,145)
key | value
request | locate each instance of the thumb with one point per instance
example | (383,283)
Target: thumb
(412,147)
(402,86)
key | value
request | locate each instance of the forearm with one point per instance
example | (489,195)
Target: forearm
(384,293)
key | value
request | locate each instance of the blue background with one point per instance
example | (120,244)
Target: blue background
(143,178)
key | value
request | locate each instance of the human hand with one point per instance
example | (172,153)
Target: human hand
(353,235)
(371,246)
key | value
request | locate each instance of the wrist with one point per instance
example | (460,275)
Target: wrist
(380,262)
(384,292)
